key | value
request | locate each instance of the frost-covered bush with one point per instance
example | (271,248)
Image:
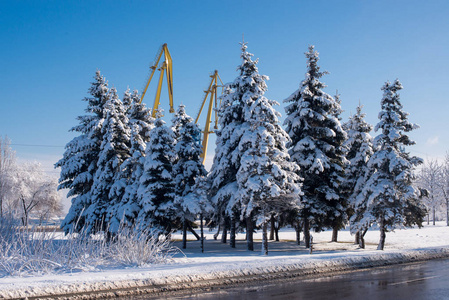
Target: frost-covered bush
(7,228)
(138,249)
(25,252)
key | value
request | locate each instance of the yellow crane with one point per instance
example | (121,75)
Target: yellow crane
(211,92)
(167,68)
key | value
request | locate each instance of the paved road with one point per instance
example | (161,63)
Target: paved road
(427,280)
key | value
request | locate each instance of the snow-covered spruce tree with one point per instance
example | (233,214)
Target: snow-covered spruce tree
(339,179)
(187,168)
(126,182)
(391,199)
(337,111)
(360,149)
(156,190)
(198,201)
(180,120)
(114,150)
(222,176)
(316,146)
(268,183)
(79,162)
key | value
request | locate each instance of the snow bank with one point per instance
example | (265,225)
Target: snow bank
(221,265)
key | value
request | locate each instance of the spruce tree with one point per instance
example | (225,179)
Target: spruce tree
(222,176)
(79,162)
(156,190)
(180,120)
(316,146)
(245,128)
(114,150)
(338,178)
(389,198)
(126,181)
(268,183)
(187,169)
(360,149)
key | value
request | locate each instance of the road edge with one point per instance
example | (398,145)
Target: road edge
(204,280)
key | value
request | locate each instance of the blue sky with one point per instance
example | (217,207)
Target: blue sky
(51,50)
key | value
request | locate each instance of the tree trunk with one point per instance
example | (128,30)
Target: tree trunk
(334,235)
(249,233)
(311,244)
(25,212)
(218,232)
(428,218)
(298,234)
(433,214)
(189,227)
(184,234)
(382,237)
(167,231)
(232,233)
(307,232)
(362,238)
(272,221)
(264,238)
(361,242)
(224,235)
(447,212)
(357,237)
(202,233)
(276,232)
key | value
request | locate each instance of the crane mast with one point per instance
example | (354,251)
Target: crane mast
(211,93)
(166,68)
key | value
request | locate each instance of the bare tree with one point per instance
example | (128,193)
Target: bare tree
(444,184)
(430,179)
(48,201)
(36,194)
(25,190)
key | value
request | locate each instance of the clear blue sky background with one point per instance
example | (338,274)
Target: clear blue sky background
(51,50)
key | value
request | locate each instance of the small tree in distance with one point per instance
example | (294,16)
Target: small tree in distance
(430,179)
(445,184)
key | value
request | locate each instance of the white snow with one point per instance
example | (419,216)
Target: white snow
(220,261)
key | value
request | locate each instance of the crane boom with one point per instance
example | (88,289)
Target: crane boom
(167,68)
(211,92)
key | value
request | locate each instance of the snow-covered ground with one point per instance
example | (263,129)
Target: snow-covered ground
(220,262)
